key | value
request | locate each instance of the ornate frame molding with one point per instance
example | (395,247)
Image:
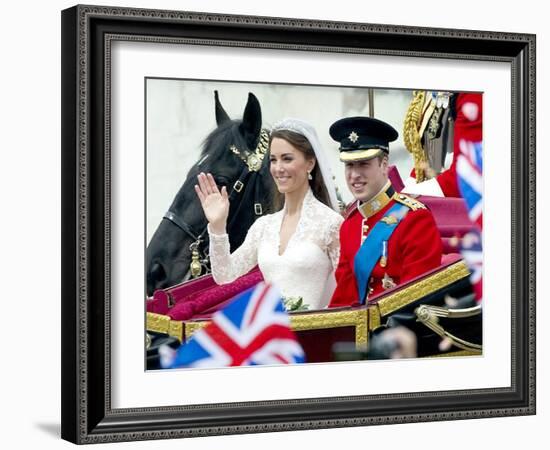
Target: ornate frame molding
(87,415)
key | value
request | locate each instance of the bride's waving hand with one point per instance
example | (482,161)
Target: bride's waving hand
(215,203)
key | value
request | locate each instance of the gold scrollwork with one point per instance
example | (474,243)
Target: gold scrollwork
(421,288)
(429,316)
(314,321)
(176,329)
(157,323)
(334,319)
(375,320)
(192,327)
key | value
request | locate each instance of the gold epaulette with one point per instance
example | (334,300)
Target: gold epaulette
(410,202)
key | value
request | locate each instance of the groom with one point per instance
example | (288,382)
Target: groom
(387,238)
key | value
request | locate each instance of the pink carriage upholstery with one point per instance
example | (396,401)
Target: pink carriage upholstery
(451,219)
(450,215)
(196,297)
(164,299)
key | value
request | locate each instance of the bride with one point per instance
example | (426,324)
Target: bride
(296,248)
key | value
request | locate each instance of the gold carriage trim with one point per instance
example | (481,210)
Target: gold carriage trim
(375,318)
(358,318)
(176,329)
(158,323)
(421,288)
(192,327)
(163,324)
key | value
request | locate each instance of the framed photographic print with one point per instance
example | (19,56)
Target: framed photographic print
(155,100)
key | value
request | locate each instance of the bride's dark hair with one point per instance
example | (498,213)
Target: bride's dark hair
(300,143)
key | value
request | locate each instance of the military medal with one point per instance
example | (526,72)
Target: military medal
(387,282)
(364,230)
(371,289)
(389,220)
(384,257)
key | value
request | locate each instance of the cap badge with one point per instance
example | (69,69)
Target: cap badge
(353,136)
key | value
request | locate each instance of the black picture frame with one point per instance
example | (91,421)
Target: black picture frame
(87,415)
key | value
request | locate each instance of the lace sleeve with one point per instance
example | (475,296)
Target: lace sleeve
(228,267)
(332,241)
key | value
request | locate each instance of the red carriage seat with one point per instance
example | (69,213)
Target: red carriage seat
(186,300)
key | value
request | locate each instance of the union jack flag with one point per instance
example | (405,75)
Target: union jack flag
(253,329)
(469,169)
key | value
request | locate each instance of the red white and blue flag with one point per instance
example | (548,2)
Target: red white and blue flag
(253,329)
(469,170)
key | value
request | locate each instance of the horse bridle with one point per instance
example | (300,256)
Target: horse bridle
(253,163)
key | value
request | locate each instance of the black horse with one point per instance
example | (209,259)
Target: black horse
(235,154)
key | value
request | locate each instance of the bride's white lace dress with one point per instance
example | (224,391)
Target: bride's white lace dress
(306,267)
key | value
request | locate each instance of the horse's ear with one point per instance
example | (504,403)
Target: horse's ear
(252,121)
(221,115)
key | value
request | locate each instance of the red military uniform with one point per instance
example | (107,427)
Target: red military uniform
(413,249)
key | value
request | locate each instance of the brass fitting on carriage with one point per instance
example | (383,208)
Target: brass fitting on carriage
(429,316)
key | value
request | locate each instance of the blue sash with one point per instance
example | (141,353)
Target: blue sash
(370,251)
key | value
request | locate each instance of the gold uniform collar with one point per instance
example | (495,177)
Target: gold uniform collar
(378,202)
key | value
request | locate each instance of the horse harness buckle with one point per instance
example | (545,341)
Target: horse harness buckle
(238,186)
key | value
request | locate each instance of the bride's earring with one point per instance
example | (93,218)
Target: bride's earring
(309,177)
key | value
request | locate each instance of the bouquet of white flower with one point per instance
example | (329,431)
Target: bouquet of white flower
(294,304)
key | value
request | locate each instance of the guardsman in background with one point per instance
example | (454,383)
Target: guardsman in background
(465,113)
(387,237)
